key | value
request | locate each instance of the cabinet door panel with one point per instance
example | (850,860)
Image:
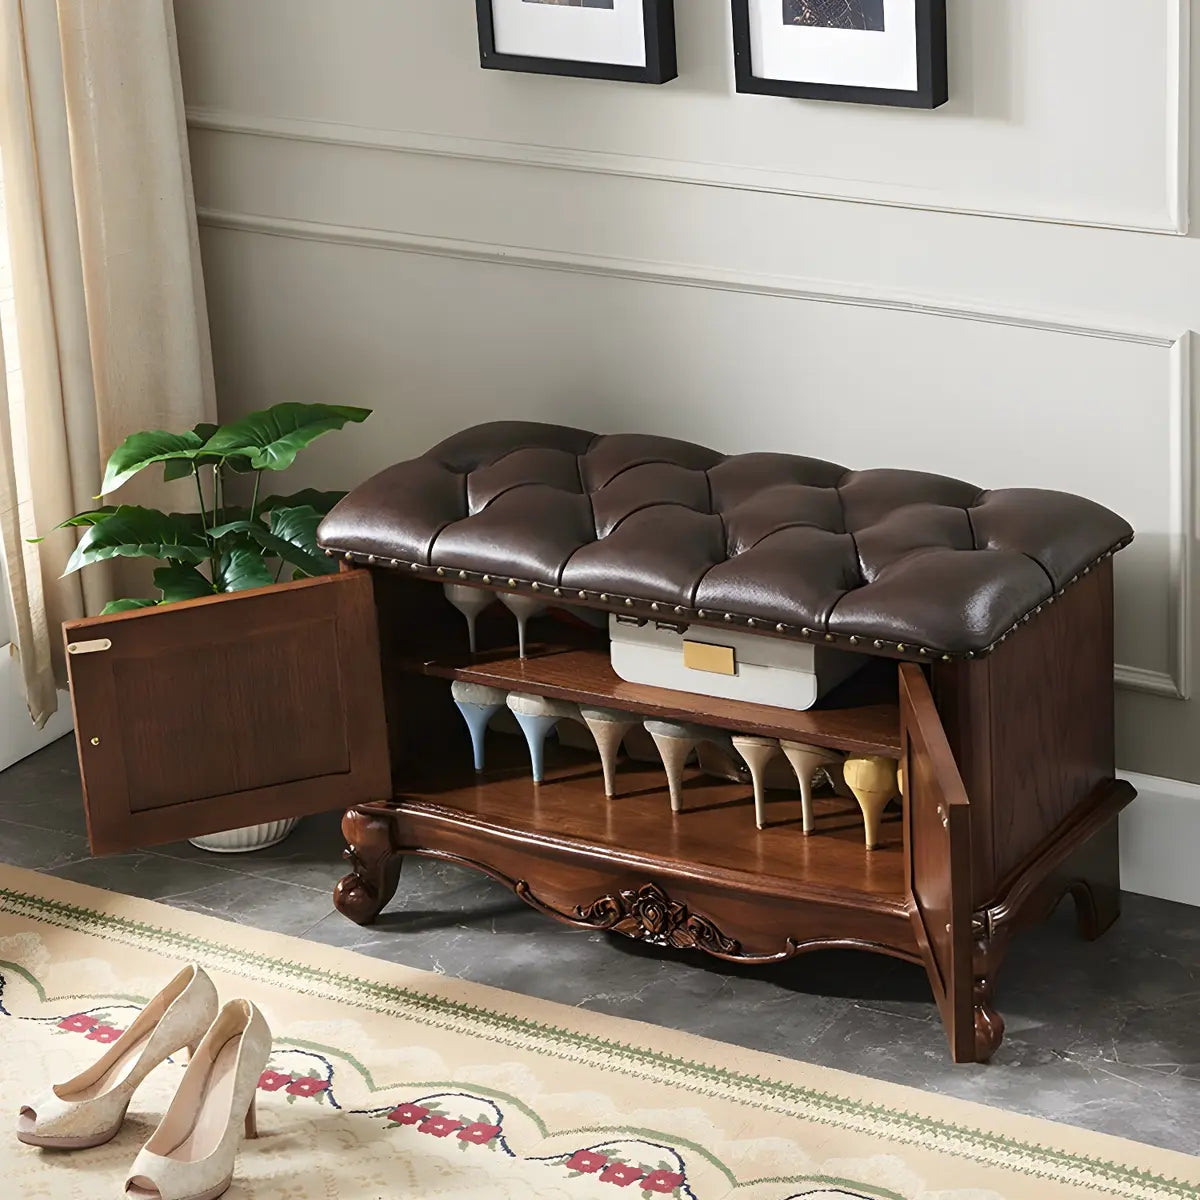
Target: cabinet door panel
(228,711)
(937,851)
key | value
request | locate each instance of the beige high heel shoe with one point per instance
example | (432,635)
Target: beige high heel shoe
(805,760)
(190,1156)
(609,727)
(675,741)
(88,1110)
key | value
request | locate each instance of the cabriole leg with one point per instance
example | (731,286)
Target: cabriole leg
(375,867)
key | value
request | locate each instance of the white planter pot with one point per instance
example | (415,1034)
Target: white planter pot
(251,837)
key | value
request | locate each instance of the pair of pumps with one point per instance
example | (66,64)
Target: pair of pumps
(872,780)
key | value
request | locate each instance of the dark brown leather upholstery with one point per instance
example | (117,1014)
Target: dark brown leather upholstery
(890,561)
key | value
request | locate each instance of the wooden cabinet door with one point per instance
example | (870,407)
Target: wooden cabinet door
(228,711)
(937,858)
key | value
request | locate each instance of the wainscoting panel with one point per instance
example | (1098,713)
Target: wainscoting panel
(631,352)
(1073,111)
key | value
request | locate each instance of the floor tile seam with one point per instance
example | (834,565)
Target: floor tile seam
(260,878)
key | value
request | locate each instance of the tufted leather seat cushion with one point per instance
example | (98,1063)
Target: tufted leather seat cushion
(890,561)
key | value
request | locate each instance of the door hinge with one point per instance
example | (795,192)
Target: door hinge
(92,647)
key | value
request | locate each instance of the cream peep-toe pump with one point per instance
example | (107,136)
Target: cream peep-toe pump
(88,1110)
(190,1155)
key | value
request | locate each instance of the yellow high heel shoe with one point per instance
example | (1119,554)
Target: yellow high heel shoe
(88,1110)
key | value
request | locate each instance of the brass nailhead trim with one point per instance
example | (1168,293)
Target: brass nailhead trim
(512,583)
(628,603)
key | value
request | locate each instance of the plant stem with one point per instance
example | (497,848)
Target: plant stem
(212,549)
(254,498)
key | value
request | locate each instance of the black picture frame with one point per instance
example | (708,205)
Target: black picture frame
(661,65)
(932,77)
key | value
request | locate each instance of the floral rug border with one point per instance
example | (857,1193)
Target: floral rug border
(950,1138)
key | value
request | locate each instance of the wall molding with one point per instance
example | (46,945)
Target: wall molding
(733,175)
(1173,684)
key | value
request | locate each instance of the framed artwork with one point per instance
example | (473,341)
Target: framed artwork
(860,51)
(632,40)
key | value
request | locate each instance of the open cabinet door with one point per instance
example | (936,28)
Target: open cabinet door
(228,711)
(937,856)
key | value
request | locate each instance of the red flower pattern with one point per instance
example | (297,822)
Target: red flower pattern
(104,1033)
(439,1126)
(272,1081)
(479,1133)
(408,1114)
(622,1174)
(587,1161)
(306,1085)
(79,1023)
(662,1181)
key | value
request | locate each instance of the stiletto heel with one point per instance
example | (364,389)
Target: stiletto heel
(478,704)
(470,602)
(522,607)
(88,1110)
(675,743)
(191,1050)
(758,752)
(193,1150)
(537,716)
(609,727)
(872,779)
(806,761)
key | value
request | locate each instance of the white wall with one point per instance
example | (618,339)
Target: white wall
(999,290)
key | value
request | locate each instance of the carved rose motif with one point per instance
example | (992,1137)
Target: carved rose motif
(650,915)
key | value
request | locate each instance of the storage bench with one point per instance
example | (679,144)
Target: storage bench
(985,619)
(988,617)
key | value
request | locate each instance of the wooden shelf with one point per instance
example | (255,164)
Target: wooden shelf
(862,716)
(713,839)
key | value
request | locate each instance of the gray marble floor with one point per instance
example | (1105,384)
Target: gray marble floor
(1103,1035)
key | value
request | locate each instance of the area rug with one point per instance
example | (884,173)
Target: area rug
(390,1082)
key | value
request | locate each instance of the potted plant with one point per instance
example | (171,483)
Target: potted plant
(225,546)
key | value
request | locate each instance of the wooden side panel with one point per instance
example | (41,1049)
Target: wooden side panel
(1031,726)
(938,859)
(229,711)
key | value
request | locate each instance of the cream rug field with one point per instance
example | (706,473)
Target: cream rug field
(387,1082)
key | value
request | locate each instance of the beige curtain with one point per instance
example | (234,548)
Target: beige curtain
(109,297)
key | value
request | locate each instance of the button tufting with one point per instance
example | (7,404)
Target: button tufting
(793,543)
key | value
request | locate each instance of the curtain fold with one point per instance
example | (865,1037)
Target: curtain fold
(109,297)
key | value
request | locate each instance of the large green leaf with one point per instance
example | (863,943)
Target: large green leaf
(117,606)
(292,537)
(296,530)
(241,569)
(91,517)
(272,439)
(321,501)
(175,468)
(139,450)
(135,532)
(181,581)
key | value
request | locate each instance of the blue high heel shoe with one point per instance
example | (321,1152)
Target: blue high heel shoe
(537,716)
(478,704)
